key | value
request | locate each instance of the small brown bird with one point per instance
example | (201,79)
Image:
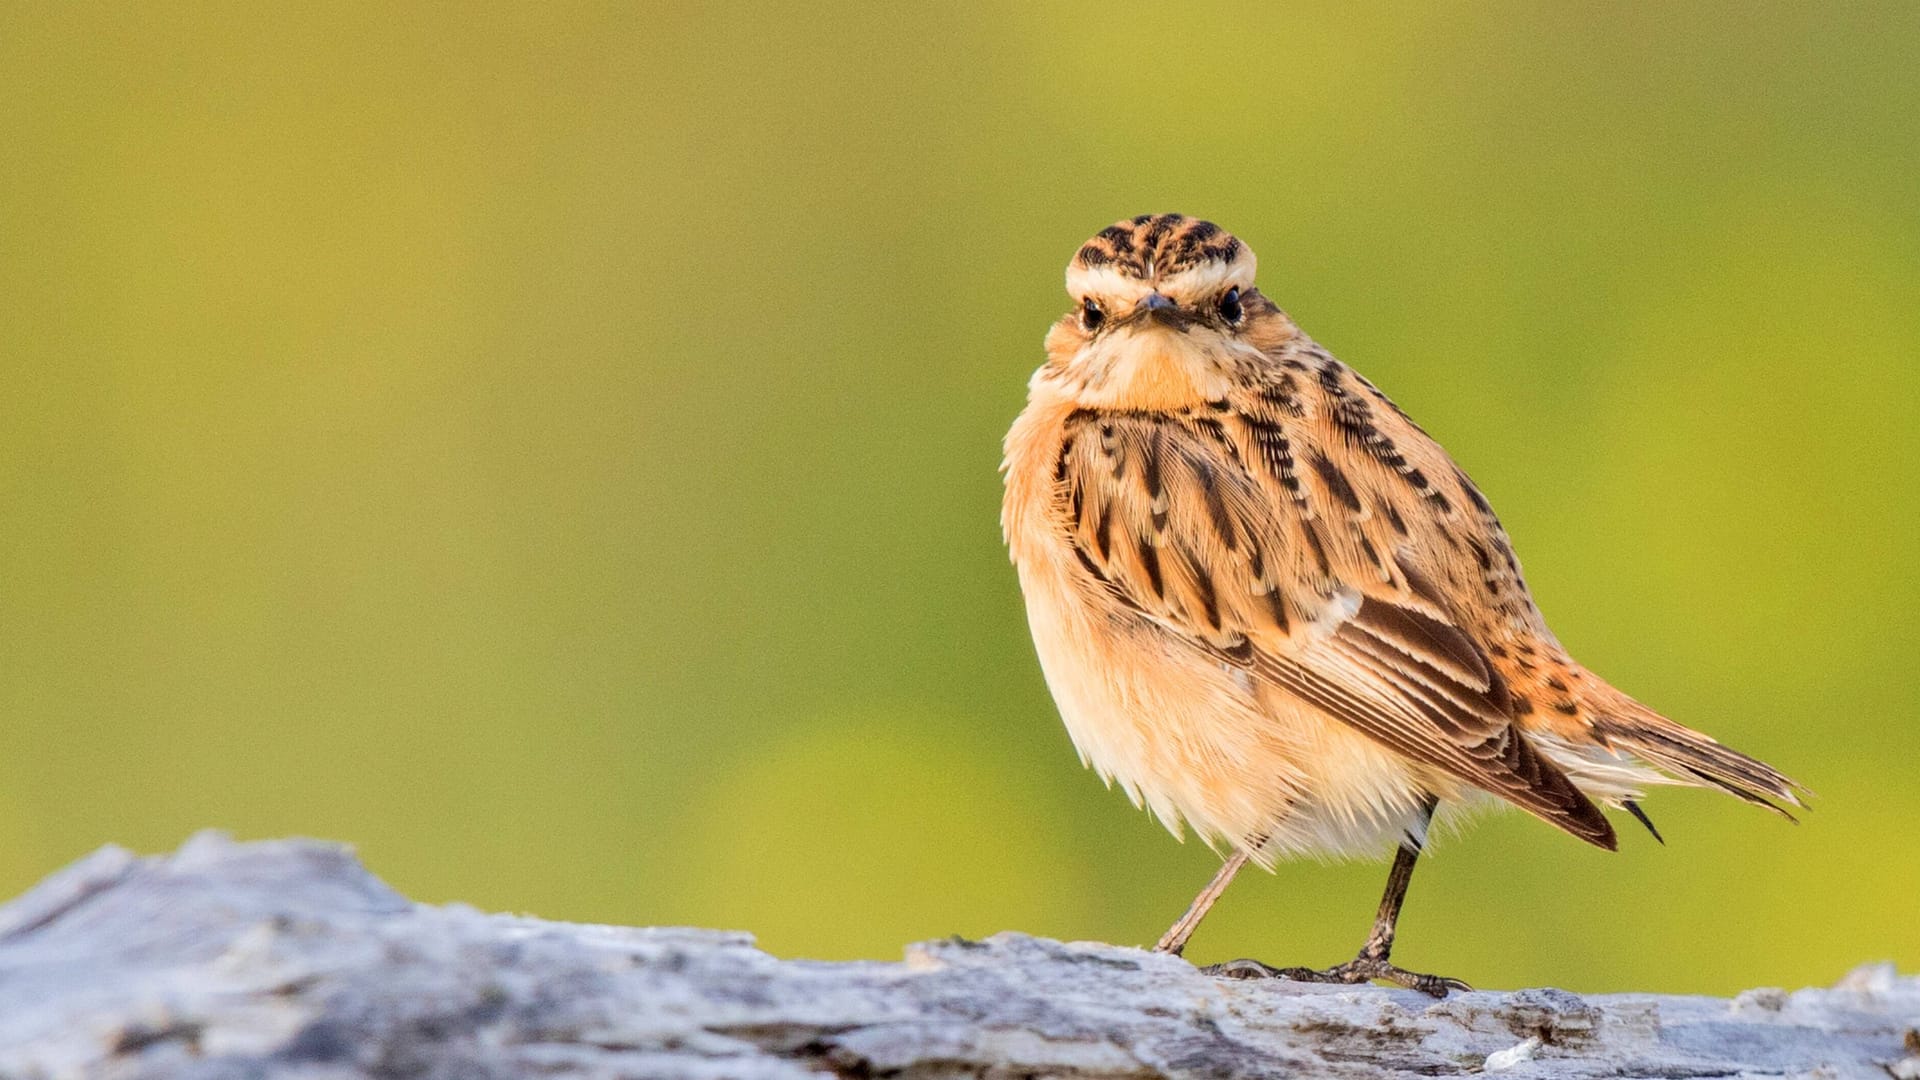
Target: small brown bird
(1275,610)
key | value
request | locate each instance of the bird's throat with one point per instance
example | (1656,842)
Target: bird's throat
(1153,368)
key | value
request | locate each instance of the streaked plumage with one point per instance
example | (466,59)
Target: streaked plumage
(1269,605)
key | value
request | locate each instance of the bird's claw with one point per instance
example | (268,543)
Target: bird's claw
(1361,969)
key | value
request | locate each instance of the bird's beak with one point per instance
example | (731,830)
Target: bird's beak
(1162,309)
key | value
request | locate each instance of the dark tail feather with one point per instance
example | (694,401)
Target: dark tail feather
(1634,809)
(1687,753)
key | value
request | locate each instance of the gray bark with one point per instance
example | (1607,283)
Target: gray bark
(287,959)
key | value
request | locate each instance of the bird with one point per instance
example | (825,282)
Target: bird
(1277,613)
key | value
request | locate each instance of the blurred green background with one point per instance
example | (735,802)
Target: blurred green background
(554,448)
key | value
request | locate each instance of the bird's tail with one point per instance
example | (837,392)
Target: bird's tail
(1697,759)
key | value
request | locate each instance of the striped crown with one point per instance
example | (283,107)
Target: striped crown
(1153,245)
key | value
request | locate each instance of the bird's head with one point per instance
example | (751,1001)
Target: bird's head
(1165,311)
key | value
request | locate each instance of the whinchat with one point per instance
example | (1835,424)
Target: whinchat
(1274,609)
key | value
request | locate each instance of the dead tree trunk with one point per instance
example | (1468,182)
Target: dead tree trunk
(287,959)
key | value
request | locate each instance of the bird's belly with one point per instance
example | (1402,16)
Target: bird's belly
(1197,742)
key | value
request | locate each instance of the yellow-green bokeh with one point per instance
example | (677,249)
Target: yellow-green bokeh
(552,446)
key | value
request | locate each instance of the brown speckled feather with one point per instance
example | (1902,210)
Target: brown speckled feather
(1231,526)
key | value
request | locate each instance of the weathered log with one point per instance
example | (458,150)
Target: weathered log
(288,959)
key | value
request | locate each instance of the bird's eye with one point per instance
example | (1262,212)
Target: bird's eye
(1230,309)
(1090,315)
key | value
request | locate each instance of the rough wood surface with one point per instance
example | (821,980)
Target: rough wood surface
(288,959)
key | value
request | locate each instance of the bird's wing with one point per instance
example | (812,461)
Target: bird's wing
(1234,531)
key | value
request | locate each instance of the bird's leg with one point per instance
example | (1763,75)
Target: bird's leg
(1174,941)
(1379,944)
(1372,963)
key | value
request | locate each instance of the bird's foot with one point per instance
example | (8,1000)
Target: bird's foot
(1360,969)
